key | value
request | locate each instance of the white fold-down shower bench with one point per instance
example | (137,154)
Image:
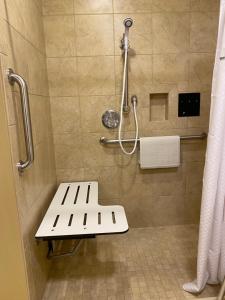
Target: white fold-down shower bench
(75,213)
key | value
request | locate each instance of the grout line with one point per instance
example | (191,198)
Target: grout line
(152,54)
(25,38)
(77,83)
(114,49)
(189,44)
(129,12)
(137,54)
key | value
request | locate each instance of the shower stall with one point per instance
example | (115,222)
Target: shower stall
(81,64)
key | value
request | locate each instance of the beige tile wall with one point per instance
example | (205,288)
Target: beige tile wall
(172,50)
(22,47)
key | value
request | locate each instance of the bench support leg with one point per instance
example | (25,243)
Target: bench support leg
(51,253)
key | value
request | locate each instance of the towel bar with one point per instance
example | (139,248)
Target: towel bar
(105,141)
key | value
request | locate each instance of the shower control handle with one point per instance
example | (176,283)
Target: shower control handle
(15,78)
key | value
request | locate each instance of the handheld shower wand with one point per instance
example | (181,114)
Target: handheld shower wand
(124,108)
(128,22)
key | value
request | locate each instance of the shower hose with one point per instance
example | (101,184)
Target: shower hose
(134,103)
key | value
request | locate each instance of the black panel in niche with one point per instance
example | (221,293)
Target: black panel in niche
(189,105)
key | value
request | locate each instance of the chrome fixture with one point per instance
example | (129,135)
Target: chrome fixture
(12,78)
(134,99)
(105,141)
(111,119)
(124,107)
(128,22)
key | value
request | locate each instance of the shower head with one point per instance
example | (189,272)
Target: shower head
(128,22)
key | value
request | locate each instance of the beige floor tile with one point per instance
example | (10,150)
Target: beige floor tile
(145,264)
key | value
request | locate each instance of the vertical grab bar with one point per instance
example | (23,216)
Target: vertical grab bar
(13,77)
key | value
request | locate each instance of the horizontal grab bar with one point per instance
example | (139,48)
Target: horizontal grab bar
(105,141)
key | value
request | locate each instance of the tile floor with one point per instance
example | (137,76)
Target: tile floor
(144,264)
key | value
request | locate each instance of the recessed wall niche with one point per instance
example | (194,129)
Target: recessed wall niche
(159,107)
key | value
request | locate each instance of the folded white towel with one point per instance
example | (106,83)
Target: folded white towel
(159,152)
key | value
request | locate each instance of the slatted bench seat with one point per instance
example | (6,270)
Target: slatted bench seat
(75,213)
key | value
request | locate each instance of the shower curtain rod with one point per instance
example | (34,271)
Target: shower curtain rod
(105,141)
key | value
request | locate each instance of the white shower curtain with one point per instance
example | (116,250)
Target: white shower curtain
(211,247)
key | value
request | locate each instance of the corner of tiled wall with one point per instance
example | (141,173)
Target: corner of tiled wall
(22,47)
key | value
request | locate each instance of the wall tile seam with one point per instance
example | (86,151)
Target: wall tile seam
(76,63)
(84,96)
(57,15)
(85,56)
(101,134)
(189,51)
(75,38)
(39,8)
(2,18)
(45,59)
(200,127)
(131,12)
(88,168)
(35,201)
(188,54)
(6,96)
(138,54)
(25,39)
(53,97)
(189,60)
(81,95)
(32,93)
(37,144)
(124,132)
(156,12)
(96,166)
(38,95)
(117,201)
(168,53)
(47,76)
(128,12)
(201,52)
(115,95)
(4,54)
